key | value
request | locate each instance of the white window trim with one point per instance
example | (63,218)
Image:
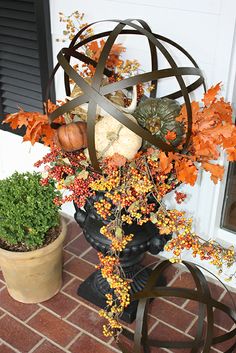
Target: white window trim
(210,201)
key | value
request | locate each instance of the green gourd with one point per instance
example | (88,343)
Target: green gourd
(157,115)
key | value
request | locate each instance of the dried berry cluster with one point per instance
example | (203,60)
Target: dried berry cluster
(132,193)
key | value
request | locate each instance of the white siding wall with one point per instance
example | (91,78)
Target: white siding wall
(205,28)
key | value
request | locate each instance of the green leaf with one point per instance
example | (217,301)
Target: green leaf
(154,156)
(133,206)
(153,217)
(84,163)
(119,233)
(133,164)
(83,174)
(66,161)
(69,180)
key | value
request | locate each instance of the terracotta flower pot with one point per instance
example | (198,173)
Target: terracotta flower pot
(34,276)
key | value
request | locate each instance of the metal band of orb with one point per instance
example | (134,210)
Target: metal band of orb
(202,295)
(94,94)
(101,35)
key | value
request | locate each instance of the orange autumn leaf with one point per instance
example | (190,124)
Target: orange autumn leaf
(116,160)
(117,49)
(170,136)
(216,170)
(230,142)
(48,135)
(95,48)
(183,113)
(52,106)
(212,127)
(205,148)
(33,132)
(223,109)
(114,56)
(37,125)
(231,154)
(210,95)
(186,171)
(21,118)
(12,120)
(165,163)
(36,130)
(205,119)
(223,130)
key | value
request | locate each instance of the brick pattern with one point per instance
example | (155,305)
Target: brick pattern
(17,309)
(5,349)
(48,347)
(67,323)
(17,334)
(54,328)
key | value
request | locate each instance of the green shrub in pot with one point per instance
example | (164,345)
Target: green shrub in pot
(27,211)
(31,237)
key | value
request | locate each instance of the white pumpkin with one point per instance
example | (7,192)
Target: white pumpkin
(117,99)
(113,137)
(110,135)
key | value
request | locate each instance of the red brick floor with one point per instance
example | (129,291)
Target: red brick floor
(66,323)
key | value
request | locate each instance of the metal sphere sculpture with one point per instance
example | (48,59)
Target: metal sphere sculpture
(202,295)
(95,94)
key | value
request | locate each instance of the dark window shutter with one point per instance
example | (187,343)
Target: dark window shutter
(25,55)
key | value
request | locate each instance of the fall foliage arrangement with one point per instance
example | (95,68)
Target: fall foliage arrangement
(134,175)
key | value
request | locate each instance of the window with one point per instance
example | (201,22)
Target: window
(228,220)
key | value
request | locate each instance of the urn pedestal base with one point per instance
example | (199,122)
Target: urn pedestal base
(91,291)
(88,291)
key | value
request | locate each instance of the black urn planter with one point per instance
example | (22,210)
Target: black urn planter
(146,238)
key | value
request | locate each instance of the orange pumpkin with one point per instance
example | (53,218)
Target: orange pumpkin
(71,137)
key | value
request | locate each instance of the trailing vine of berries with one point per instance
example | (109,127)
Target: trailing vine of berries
(130,193)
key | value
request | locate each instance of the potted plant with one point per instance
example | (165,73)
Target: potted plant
(134,157)
(31,237)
